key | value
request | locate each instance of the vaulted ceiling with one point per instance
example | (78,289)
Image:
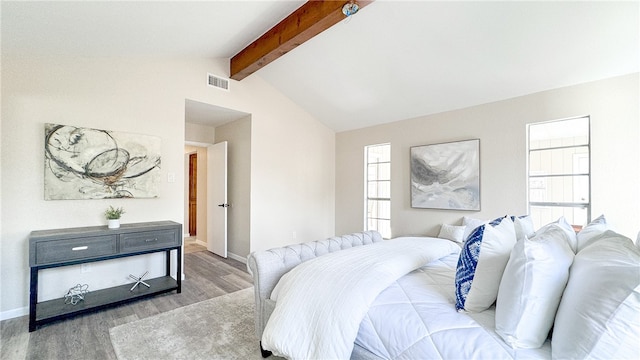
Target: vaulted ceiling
(392,60)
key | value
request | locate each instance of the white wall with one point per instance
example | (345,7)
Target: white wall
(147,96)
(96,93)
(501,127)
(199,133)
(293,178)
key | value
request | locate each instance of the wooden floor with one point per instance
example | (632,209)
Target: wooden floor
(87,336)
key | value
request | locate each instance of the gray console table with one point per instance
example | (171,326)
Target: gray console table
(64,247)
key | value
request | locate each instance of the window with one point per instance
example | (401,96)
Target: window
(559,171)
(378,189)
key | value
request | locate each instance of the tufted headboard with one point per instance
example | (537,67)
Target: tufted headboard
(268,266)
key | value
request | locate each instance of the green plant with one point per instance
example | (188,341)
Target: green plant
(114,213)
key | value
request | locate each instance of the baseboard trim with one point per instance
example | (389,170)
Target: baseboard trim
(233,256)
(10,314)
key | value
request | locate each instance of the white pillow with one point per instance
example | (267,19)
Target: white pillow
(470,224)
(599,317)
(452,232)
(566,227)
(482,260)
(531,287)
(595,228)
(524,226)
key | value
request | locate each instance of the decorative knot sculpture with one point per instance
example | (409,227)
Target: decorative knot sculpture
(76,294)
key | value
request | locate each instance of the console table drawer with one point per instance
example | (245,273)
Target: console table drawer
(75,249)
(147,240)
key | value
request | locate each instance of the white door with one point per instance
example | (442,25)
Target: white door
(217,198)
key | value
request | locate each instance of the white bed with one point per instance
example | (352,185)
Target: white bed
(321,303)
(356,296)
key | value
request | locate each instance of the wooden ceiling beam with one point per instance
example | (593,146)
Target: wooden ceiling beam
(307,21)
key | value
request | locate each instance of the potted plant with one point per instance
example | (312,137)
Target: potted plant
(113,216)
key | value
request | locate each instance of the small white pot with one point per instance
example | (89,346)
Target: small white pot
(114,223)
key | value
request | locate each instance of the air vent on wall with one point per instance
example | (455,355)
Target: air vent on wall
(218,82)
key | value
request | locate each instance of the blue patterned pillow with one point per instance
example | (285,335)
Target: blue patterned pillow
(481,263)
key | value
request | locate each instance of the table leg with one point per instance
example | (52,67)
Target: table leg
(33,298)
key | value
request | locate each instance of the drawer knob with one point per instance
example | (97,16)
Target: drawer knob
(77,248)
(150,240)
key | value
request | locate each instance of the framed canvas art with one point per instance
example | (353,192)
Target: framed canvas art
(446,176)
(85,163)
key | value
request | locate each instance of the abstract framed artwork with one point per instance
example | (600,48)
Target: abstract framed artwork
(85,163)
(446,176)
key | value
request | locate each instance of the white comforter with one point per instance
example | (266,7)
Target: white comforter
(415,318)
(321,302)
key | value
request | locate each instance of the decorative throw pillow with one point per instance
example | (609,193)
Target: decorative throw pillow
(531,287)
(523,225)
(481,264)
(452,232)
(470,224)
(595,228)
(566,227)
(598,314)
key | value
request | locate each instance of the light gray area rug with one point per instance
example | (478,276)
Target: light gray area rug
(218,328)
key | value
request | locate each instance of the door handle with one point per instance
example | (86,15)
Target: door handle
(224,205)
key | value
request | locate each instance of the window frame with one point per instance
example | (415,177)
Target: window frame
(367,181)
(575,175)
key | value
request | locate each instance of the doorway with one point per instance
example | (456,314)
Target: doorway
(206,197)
(195,191)
(193,194)
(207,124)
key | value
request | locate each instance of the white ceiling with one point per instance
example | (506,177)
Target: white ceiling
(207,114)
(393,60)
(138,28)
